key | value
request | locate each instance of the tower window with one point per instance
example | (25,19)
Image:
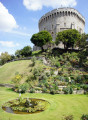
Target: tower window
(64,24)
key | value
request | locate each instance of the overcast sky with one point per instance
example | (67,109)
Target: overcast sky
(19,19)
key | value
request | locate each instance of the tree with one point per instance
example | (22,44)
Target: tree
(18,53)
(26,51)
(81,43)
(5,57)
(41,38)
(68,38)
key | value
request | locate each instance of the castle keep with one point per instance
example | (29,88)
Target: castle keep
(61,19)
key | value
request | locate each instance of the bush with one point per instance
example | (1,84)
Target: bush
(52,91)
(44,89)
(68,90)
(24,87)
(36,73)
(57,64)
(33,60)
(32,90)
(70,117)
(16,80)
(84,117)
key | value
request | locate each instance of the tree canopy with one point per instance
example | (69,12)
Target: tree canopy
(4,57)
(41,38)
(83,41)
(68,37)
(26,51)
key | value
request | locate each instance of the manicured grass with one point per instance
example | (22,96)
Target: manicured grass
(8,71)
(60,105)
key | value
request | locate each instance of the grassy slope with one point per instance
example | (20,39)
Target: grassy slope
(7,71)
(60,105)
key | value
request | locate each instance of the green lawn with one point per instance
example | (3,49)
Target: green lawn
(59,105)
(8,71)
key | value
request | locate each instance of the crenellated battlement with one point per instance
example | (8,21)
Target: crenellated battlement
(61,12)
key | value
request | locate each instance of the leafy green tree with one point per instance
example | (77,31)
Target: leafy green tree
(5,57)
(26,51)
(68,37)
(81,43)
(18,53)
(41,38)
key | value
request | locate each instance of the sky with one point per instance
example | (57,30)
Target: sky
(19,20)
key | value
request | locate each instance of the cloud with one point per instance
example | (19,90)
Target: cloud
(7,21)
(8,44)
(38,4)
(20,33)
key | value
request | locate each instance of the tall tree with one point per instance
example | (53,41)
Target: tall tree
(68,38)
(41,38)
(26,51)
(5,57)
(81,43)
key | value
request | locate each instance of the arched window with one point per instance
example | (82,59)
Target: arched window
(69,13)
(63,13)
(60,14)
(66,13)
(55,14)
(64,24)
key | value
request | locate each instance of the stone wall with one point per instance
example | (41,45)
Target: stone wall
(62,19)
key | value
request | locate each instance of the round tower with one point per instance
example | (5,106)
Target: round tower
(62,19)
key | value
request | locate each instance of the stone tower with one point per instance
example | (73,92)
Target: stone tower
(62,19)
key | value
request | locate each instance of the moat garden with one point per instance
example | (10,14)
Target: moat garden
(44,87)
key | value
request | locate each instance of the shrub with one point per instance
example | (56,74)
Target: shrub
(68,90)
(33,60)
(51,72)
(52,91)
(84,117)
(16,80)
(57,64)
(44,89)
(69,117)
(32,90)
(24,87)
(36,73)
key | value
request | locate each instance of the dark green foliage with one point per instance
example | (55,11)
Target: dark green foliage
(84,117)
(57,64)
(68,90)
(26,51)
(68,37)
(32,90)
(24,87)
(41,38)
(81,43)
(18,53)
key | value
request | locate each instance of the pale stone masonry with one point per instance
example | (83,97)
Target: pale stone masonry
(61,19)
